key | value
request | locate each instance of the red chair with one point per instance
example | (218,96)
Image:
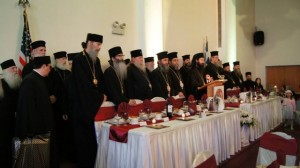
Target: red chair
(233,92)
(177,102)
(277,149)
(135,110)
(105,112)
(158,104)
(205,159)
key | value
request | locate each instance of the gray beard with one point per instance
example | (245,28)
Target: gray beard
(93,55)
(237,71)
(62,66)
(13,80)
(150,69)
(121,69)
(1,90)
(164,69)
(140,67)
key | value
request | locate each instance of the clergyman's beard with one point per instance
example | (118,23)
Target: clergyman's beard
(164,68)
(62,66)
(238,71)
(150,68)
(140,67)
(121,69)
(93,55)
(13,79)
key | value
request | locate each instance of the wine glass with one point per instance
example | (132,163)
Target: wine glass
(117,117)
(148,112)
(125,117)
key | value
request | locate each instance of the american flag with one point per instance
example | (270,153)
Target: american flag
(25,46)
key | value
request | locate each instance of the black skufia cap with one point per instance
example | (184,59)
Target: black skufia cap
(136,53)
(38,61)
(236,63)
(60,54)
(162,55)
(214,53)
(172,55)
(7,64)
(149,59)
(115,51)
(127,61)
(226,64)
(36,44)
(72,55)
(94,37)
(248,73)
(198,55)
(185,57)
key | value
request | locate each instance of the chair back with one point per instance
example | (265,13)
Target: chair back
(106,111)
(205,159)
(158,104)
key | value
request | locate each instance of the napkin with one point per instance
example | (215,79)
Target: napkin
(122,108)
(191,98)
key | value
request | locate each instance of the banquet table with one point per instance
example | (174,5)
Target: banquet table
(268,114)
(174,146)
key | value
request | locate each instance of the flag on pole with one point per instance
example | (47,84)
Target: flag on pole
(25,46)
(206,50)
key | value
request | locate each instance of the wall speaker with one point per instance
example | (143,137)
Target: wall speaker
(258,38)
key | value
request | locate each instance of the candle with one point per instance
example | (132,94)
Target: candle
(183,116)
(153,121)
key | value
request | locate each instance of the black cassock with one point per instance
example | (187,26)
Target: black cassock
(8,107)
(148,73)
(27,69)
(177,81)
(238,79)
(159,82)
(230,81)
(114,88)
(34,111)
(60,108)
(249,85)
(85,98)
(184,70)
(138,83)
(213,70)
(196,79)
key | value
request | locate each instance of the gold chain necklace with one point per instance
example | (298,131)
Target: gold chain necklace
(145,76)
(95,81)
(178,77)
(167,82)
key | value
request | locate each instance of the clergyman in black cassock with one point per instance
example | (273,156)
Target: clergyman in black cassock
(9,89)
(138,83)
(149,63)
(60,108)
(249,84)
(237,75)
(212,68)
(184,70)
(161,77)
(177,82)
(34,115)
(87,95)
(196,76)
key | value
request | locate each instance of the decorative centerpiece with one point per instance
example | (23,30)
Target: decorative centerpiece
(247,121)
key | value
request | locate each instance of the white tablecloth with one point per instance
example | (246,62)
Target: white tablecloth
(268,114)
(175,146)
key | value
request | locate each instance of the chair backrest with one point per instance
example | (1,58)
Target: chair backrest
(158,104)
(177,102)
(277,148)
(205,159)
(134,110)
(106,111)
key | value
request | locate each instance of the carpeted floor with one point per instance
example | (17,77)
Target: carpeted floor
(246,158)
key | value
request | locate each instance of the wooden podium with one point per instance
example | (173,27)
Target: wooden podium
(210,86)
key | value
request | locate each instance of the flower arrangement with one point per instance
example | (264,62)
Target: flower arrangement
(248,119)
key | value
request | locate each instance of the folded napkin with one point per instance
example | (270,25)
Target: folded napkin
(122,109)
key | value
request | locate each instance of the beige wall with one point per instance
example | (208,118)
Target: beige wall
(280,22)
(187,23)
(245,27)
(63,24)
